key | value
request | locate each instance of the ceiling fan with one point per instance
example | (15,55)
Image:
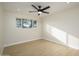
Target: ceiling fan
(40,9)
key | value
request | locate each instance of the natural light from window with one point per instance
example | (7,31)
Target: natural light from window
(58,34)
(68,39)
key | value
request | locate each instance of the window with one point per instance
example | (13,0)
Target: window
(18,23)
(25,23)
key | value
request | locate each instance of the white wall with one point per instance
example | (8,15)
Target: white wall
(1,29)
(63,27)
(15,35)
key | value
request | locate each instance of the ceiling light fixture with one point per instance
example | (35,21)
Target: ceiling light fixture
(39,12)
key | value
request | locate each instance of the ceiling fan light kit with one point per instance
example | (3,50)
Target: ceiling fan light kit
(39,12)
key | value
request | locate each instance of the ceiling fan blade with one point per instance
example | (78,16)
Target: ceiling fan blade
(45,12)
(35,7)
(33,11)
(46,8)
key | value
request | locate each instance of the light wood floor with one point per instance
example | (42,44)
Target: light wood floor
(40,48)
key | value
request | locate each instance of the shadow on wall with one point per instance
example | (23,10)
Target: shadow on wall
(68,39)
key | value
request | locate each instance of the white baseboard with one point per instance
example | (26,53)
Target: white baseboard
(56,42)
(19,42)
(63,44)
(37,39)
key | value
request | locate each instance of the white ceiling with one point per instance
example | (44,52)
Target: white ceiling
(26,6)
